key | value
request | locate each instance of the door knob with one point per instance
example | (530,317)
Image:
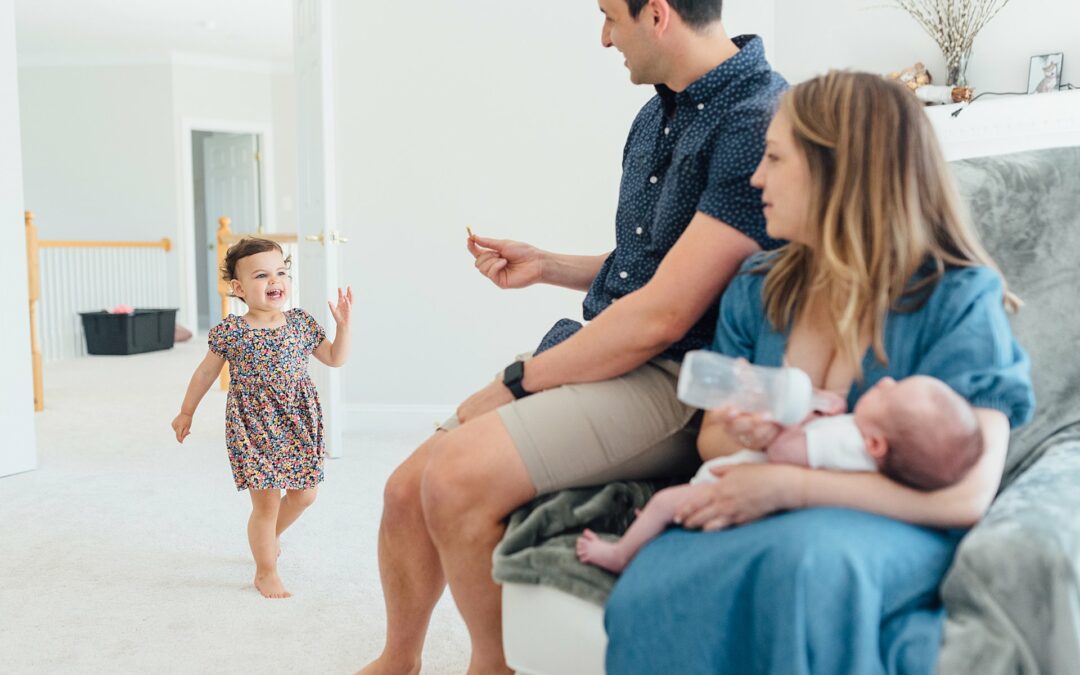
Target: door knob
(335,238)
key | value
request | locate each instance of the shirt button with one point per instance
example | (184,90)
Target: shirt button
(667,130)
(653,179)
(700,106)
(623,275)
(638,231)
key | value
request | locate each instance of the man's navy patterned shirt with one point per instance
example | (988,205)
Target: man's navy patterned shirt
(689,151)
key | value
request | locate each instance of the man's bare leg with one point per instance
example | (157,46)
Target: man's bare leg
(472,481)
(412,577)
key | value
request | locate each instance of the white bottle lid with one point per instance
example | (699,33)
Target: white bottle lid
(798,394)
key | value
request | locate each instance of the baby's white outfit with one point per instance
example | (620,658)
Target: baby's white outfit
(832,442)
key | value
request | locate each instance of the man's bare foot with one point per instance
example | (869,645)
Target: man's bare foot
(481,668)
(269,584)
(594,550)
(386,666)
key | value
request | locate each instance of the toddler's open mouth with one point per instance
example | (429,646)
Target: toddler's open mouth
(275,294)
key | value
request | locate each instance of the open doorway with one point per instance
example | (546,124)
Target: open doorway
(228,177)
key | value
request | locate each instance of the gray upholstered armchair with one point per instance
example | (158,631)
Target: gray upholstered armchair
(1013,593)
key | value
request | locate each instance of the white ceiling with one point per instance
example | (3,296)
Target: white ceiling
(146,31)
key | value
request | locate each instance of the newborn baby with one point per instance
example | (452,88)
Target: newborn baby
(917,431)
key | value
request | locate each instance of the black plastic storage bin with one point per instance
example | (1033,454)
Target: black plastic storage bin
(146,330)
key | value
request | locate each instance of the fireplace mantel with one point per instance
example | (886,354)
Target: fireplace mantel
(1000,125)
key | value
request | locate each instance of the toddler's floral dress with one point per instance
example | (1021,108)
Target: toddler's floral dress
(273,420)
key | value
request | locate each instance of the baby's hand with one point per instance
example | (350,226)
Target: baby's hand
(342,312)
(182,426)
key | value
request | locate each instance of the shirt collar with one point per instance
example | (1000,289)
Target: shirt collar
(750,58)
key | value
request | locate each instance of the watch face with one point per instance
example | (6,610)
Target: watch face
(514,372)
(512,377)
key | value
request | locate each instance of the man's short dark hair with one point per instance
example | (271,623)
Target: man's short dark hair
(696,13)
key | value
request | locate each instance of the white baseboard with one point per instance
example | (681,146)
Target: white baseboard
(393,419)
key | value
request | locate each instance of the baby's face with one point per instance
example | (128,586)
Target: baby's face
(884,401)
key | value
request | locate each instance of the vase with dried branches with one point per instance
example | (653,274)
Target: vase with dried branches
(953,24)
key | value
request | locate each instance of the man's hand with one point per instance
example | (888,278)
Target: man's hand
(509,264)
(485,400)
(182,426)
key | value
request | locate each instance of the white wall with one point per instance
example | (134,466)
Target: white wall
(17,451)
(814,36)
(505,116)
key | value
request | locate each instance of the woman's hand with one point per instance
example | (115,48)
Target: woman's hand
(742,493)
(509,264)
(182,426)
(343,312)
(752,431)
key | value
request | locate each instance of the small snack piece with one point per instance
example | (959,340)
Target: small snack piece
(469,230)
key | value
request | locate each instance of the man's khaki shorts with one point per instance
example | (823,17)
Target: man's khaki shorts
(629,427)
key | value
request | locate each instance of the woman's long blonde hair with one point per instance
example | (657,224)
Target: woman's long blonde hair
(882,206)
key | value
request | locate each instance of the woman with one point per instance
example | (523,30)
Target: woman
(883,278)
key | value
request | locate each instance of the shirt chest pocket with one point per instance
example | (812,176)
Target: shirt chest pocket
(682,189)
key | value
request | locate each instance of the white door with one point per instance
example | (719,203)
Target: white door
(316,209)
(231,175)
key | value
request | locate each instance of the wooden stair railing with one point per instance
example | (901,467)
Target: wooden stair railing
(33,268)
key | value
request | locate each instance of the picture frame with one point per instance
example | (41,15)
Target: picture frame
(1044,73)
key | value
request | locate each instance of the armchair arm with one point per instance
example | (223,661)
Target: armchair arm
(1013,592)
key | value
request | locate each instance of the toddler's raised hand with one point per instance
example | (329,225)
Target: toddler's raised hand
(343,311)
(182,426)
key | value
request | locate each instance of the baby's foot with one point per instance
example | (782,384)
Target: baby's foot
(269,584)
(594,550)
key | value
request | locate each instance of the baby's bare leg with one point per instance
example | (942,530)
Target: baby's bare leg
(653,519)
(262,536)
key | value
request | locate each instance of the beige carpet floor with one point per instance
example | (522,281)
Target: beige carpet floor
(125,552)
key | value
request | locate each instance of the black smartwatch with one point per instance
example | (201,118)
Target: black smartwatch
(512,377)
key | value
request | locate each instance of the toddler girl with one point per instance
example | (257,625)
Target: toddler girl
(273,425)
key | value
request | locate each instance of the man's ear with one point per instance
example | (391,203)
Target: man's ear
(660,12)
(876,446)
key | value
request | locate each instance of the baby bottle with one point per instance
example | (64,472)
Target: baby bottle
(709,380)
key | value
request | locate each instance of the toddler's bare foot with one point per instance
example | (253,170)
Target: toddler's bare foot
(269,584)
(594,550)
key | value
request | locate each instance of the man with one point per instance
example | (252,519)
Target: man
(596,403)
